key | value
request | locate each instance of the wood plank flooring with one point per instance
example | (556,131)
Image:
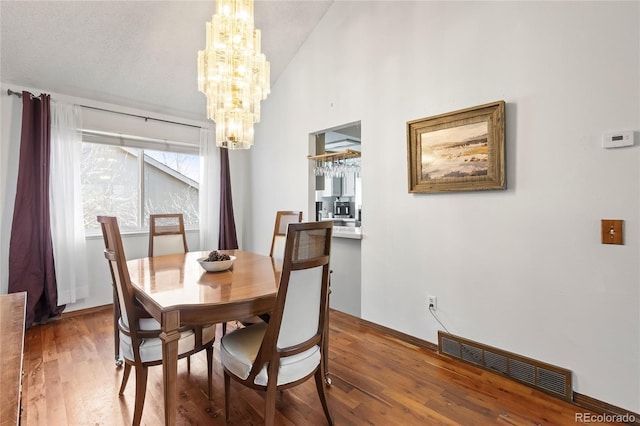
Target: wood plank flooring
(71,379)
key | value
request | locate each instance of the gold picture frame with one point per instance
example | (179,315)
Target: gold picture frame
(457,151)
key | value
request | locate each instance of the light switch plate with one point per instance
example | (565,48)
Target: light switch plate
(612,231)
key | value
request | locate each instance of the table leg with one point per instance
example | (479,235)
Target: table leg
(170,337)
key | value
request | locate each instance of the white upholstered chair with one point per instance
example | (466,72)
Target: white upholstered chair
(283,219)
(287,351)
(166,234)
(140,345)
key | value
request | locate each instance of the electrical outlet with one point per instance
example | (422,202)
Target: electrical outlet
(432,302)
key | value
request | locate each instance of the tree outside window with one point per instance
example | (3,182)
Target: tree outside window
(131,183)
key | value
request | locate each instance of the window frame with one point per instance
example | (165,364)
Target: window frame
(140,143)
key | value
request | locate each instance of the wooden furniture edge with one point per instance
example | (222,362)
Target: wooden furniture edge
(12,324)
(579,400)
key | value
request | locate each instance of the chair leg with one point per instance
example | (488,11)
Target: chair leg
(272,390)
(125,377)
(210,370)
(325,343)
(141,390)
(227,389)
(116,332)
(270,400)
(224,328)
(189,364)
(323,399)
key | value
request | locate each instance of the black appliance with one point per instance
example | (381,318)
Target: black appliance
(342,209)
(318,210)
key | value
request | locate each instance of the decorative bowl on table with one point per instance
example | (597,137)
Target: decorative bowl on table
(216,261)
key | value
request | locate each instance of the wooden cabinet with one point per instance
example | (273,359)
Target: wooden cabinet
(12,319)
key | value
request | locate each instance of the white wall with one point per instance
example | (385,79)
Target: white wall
(521,269)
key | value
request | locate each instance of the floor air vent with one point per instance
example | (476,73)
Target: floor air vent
(545,377)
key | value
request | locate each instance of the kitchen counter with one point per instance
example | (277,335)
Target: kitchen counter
(346,228)
(347,232)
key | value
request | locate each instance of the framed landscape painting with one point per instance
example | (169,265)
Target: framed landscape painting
(457,151)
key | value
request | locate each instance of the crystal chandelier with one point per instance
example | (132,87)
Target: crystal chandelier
(233,73)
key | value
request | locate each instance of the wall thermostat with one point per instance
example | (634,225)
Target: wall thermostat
(618,139)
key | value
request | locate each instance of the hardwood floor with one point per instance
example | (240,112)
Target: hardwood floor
(70,378)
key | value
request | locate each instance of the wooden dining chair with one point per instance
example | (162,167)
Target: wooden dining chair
(166,234)
(140,344)
(287,350)
(116,311)
(283,219)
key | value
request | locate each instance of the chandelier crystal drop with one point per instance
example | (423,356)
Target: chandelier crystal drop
(233,73)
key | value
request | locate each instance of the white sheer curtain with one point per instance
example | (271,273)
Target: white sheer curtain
(209,191)
(65,197)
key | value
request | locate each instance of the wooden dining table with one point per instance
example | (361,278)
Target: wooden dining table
(177,291)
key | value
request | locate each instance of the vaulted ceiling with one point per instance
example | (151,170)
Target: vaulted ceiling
(139,54)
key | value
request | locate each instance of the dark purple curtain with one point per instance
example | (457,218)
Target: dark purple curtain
(227,239)
(31,266)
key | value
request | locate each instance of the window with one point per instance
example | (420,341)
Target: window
(171,185)
(131,183)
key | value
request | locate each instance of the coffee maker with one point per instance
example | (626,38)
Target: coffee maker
(342,209)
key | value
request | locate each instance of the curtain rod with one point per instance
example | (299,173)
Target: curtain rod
(11,92)
(18,94)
